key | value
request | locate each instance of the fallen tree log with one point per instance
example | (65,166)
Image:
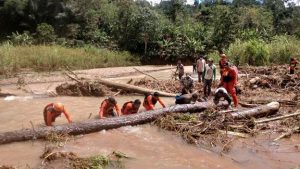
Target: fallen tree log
(131,88)
(259,111)
(94,125)
(297,113)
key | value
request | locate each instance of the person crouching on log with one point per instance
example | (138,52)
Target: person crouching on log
(52,111)
(107,108)
(131,107)
(229,81)
(150,101)
(221,92)
(186,99)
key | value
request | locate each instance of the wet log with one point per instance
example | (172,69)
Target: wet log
(260,111)
(131,88)
(297,113)
(94,125)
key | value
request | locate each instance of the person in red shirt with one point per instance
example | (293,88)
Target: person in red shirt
(107,108)
(229,81)
(293,65)
(131,107)
(52,111)
(222,61)
(150,101)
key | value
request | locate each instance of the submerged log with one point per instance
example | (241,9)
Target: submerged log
(260,111)
(131,88)
(94,125)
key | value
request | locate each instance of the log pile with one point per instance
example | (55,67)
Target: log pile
(83,89)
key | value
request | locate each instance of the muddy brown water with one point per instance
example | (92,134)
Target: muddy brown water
(150,147)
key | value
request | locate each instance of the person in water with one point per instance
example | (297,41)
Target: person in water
(52,111)
(131,107)
(107,108)
(151,99)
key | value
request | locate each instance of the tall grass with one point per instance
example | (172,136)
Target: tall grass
(256,52)
(50,58)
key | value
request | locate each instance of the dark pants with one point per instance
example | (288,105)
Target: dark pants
(292,71)
(180,75)
(194,68)
(207,87)
(199,76)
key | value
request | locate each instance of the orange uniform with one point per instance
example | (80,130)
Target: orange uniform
(229,81)
(106,109)
(50,114)
(128,108)
(150,101)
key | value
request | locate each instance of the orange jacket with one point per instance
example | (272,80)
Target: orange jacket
(150,101)
(128,108)
(50,114)
(107,108)
(229,76)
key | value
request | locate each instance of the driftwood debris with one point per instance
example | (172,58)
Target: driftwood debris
(259,111)
(287,134)
(278,118)
(145,74)
(131,88)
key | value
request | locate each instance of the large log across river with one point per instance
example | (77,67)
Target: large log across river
(94,125)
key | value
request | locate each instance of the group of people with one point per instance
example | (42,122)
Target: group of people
(108,108)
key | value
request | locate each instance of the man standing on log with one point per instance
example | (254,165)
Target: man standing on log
(229,81)
(221,92)
(107,108)
(209,75)
(52,111)
(200,67)
(150,101)
(186,99)
(131,107)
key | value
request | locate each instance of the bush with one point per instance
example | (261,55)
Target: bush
(21,39)
(282,48)
(252,52)
(45,33)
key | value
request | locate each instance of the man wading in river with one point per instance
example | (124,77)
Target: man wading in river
(186,99)
(52,111)
(107,108)
(150,101)
(131,107)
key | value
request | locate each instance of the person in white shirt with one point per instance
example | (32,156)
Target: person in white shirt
(219,93)
(200,67)
(209,74)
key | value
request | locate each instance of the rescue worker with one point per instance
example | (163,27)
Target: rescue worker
(209,75)
(186,99)
(150,101)
(180,69)
(107,108)
(293,64)
(229,81)
(221,92)
(131,107)
(52,111)
(200,67)
(222,61)
(187,84)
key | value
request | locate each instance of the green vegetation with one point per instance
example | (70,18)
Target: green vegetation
(49,58)
(249,31)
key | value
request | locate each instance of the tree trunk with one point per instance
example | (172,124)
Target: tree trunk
(94,125)
(132,88)
(259,111)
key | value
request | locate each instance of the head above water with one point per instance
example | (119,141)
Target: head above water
(137,102)
(58,107)
(156,94)
(112,100)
